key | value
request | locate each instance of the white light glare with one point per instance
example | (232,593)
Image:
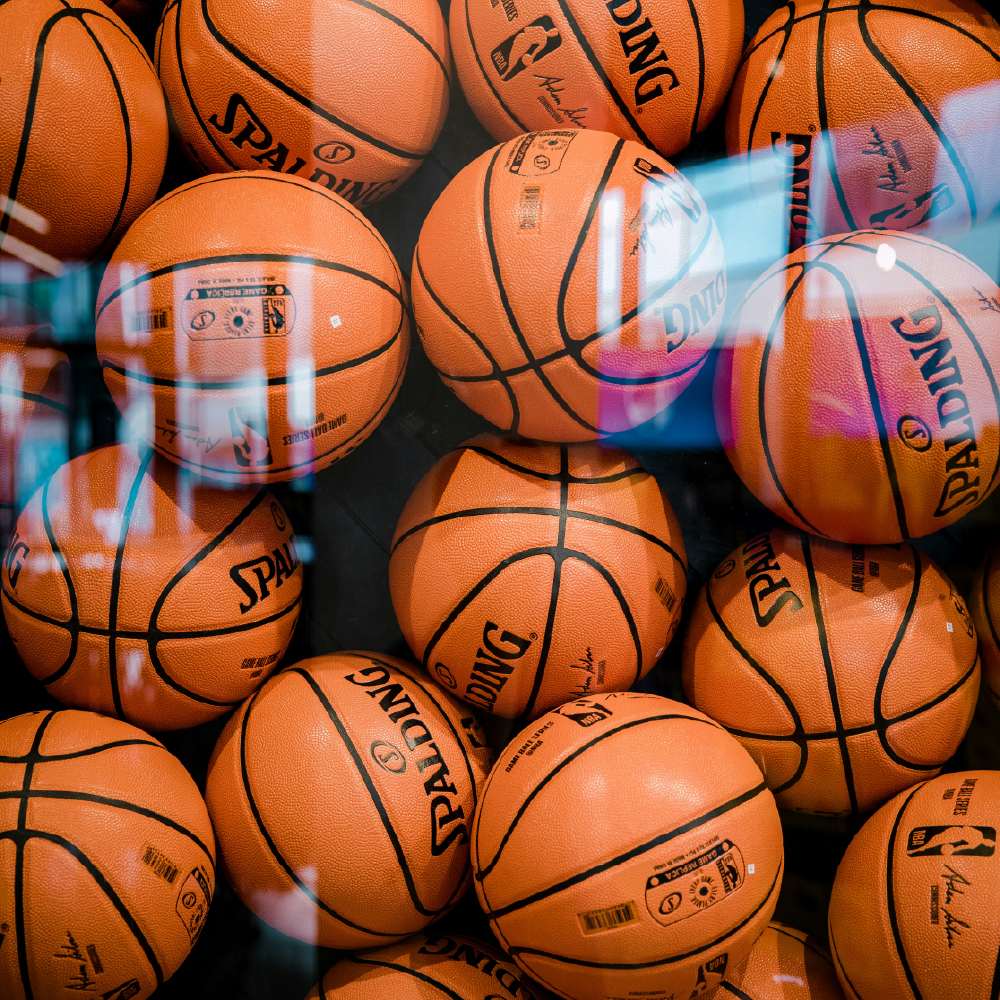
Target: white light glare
(885,257)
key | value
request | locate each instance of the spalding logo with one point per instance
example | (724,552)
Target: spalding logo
(334,152)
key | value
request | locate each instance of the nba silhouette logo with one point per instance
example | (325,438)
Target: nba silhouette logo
(525,47)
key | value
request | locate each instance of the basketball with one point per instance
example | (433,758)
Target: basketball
(848,672)
(342,794)
(77,163)
(640,856)
(525,574)
(34,410)
(983,606)
(857,394)
(912,911)
(591,290)
(784,964)
(842,104)
(253,328)
(428,967)
(133,592)
(351,95)
(655,71)
(107,858)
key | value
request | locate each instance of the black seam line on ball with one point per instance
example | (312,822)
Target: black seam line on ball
(553,477)
(602,75)
(116,581)
(566,960)
(831,680)
(871,728)
(824,121)
(178,53)
(484,870)
(914,98)
(990,557)
(497,373)
(735,990)
(805,942)
(248,258)
(76,754)
(33,397)
(271,846)
(76,628)
(320,112)
(229,476)
(799,736)
(873,395)
(543,512)
(489,83)
(74,611)
(550,617)
(126,126)
(883,675)
(505,302)
(761,395)
(966,329)
(31,760)
(406,970)
(890,892)
(410,31)
(786,28)
(102,800)
(21,839)
(154,631)
(693,10)
(838,963)
(376,799)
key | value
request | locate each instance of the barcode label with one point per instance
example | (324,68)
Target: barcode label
(664,593)
(151,320)
(609,918)
(256,662)
(530,207)
(160,864)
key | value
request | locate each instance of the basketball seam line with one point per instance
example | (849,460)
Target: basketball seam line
(550,618)
(772,682)
(986,602)
(831,680)
(74,611)
(663,961)
(762,390)
(542,512)
(409,972)
(249,258)
(601,73)
(489,83)
(116,575)
(505,302)
(373,794)
(33,397)
(269,842)
(553,477)
(235,476)
(90,751)
(836,957)
(890,893)
(498,373)
(806,942)
(289,91)
(921,108)
(701,70)
(735,990)
(484,870)
(102,800)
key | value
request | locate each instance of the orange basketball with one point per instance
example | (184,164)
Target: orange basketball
(983,605)
(428,967)
(133,592)
(656,71)
(107,859)
(858,396)
(590,290)
(848,673)
(253,328)
(83,131)
(342,794)
(872,115)
(34,398)
(349,94)
(641,854)
(784,964)
(524,575)
(913,911)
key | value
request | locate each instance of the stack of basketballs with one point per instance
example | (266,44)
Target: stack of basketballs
(253,327)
